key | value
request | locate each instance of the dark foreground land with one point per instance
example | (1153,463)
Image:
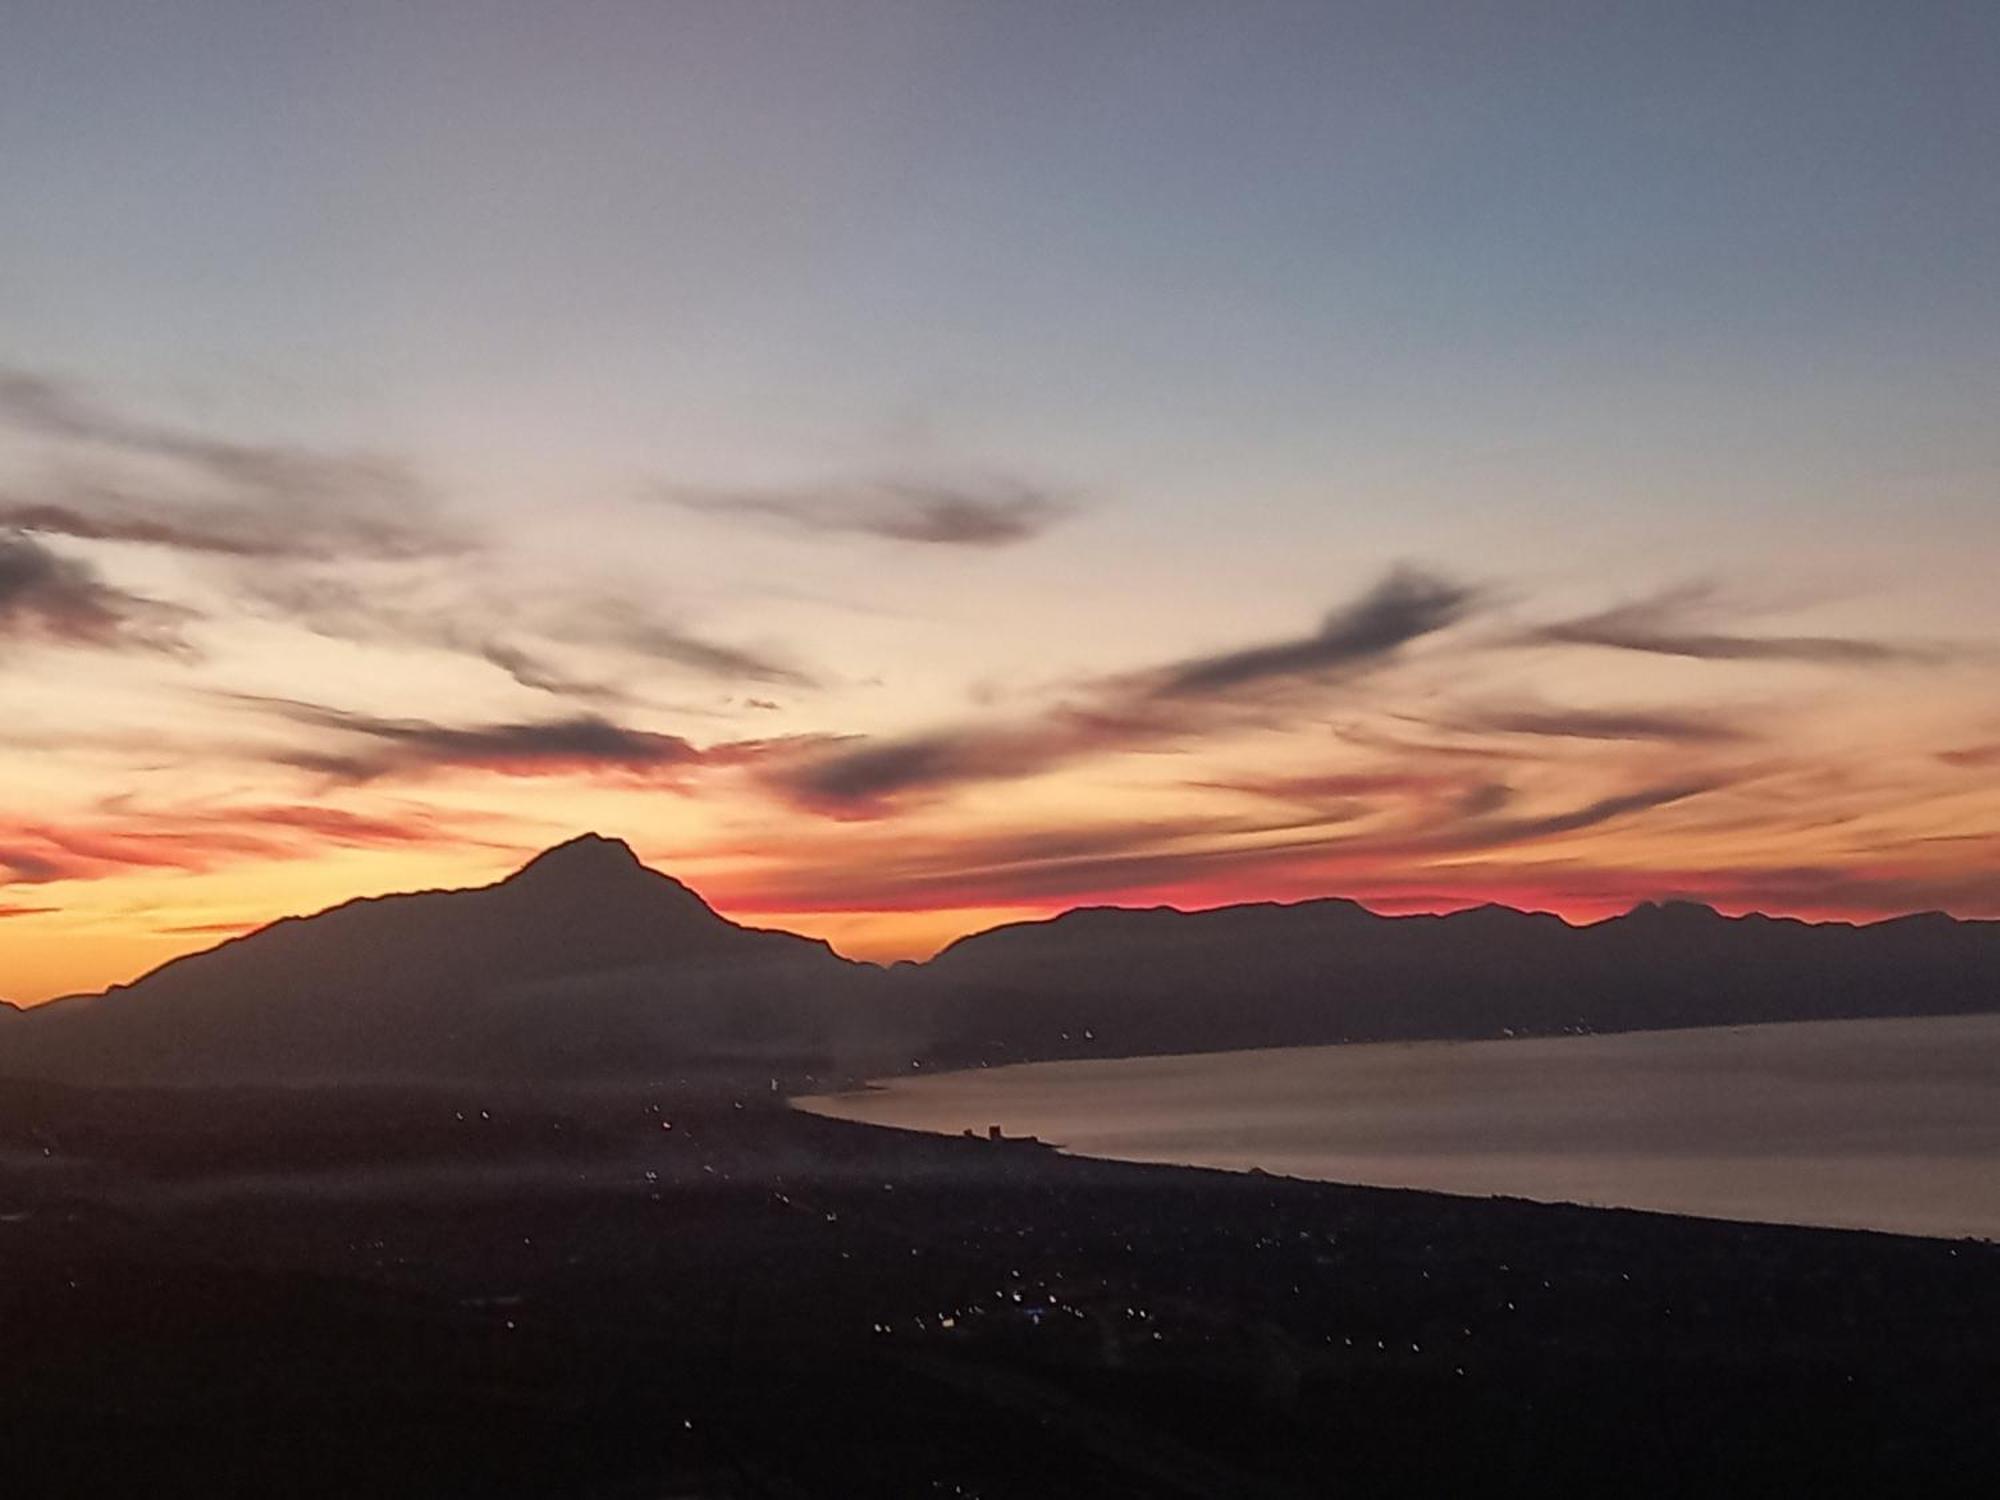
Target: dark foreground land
(387,1294)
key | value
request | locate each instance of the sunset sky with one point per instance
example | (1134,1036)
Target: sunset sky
(910,466)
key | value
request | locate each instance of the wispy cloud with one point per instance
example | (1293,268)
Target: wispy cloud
(492,626)
(930,512)
(1681,622)
(114,477)
(1417,798)
(1494,832)
(533,672)
(1404,606)
(1149,709)
(359,747)
(881,869)
(1314,787)
(1197,857)
(352,546)
(869,777)
(1665,726)
(23,864)
(366,747)
(48,598)
(123,837)
(624,626)
(862,780)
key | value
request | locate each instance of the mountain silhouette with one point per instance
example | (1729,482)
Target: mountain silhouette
(1113,980)
(581,962)
(584,963)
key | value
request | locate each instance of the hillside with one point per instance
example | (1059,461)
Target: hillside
(583,962)
(1110,981)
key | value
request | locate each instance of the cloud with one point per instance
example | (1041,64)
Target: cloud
(576,744)
(1352,794)
(1455,816)
(332,542)
(124,479)
(540,676)
(58,600)
(625,626)
(879,869)
(27,911)
(1668,726)
(986,513)
(1404,606)
(1190,858)
(1391,834)
(122,837)
(1491,833)
(869,777)
(1316,787)
(104,512)
(487,625)
(334,825)
(26,866)
(414,614)
(1675,623)
(1373,737)
(1972,755)
(1151,709)
(863,778)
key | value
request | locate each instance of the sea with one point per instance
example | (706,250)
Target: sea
(1888,1125)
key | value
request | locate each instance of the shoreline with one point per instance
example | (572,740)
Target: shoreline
(1877,1125)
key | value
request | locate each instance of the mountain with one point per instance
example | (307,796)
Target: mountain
(586,964)
(582,962)
(1114,981)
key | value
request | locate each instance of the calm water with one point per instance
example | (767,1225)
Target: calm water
(1866,1124)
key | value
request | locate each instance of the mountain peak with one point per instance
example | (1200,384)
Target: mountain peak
(1672,910)
(587,856)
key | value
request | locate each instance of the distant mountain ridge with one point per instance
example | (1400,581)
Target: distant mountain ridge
(584,963)
(1160,980)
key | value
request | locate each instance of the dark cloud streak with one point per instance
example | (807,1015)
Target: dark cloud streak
(626,627)
(123,479)
(1672,624)
(1146,710)
(1206,855)
(1401,608)
(1660,725)
(989,513)
(485,625)
(581,742)
(1502,832)
(204,837)
(48,598)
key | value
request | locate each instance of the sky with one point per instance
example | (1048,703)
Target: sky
(907,467)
